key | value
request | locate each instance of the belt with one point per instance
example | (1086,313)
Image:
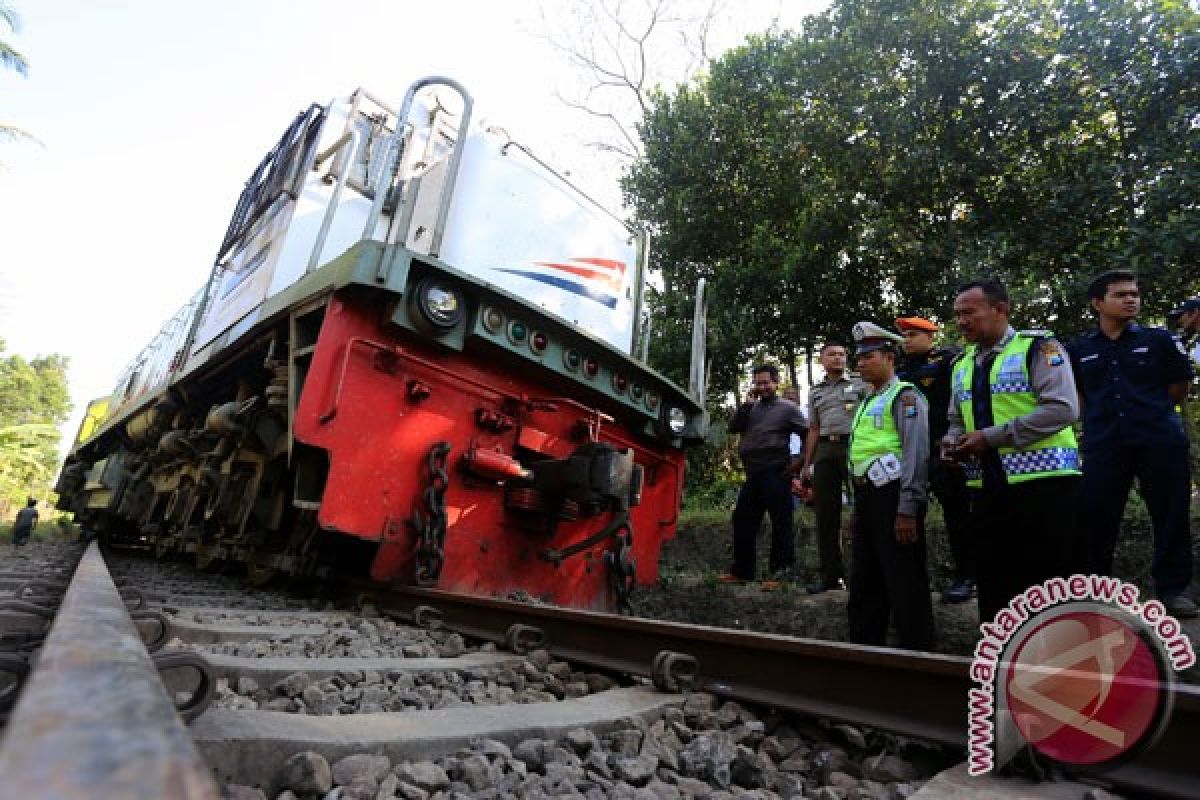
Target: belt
(834,437)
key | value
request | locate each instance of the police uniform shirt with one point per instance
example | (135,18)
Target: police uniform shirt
(930,372)
(1053,383)
(831,404)
(910,410)
(1124,383)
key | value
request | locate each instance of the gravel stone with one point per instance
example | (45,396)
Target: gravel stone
(599,683)
(852,735)
(664,749)
(778,749)
(293,685)
(532,752)
(387,787)
(871,790)
(829,793)
(796,762)
(539,659)
(748,769)
(732,713)
(625,743)
(888,769)
(582,741)
(409,792)
(841,780)
(663,791)
(306,772)
(690,787)
(246,685)
(708,757)
(235,791)
(700,701)
(475,771)
(453,647)
(831,758)
(635,771)
(596,763)
(423,775)
(314,699)
(361,768)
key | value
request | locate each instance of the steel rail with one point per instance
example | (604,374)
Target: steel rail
(923,695)
(93,720)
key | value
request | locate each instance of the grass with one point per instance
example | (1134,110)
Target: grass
(50,530)
(704,544)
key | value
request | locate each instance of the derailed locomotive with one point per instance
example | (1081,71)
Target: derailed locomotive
(416,356)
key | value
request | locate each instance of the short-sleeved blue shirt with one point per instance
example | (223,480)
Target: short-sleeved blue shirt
(1124,383)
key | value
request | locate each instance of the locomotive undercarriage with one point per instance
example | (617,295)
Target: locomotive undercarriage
(204,473)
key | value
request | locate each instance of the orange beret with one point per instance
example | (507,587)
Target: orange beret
(916,324)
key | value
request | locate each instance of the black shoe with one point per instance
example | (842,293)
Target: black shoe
(960,592)
(818,586)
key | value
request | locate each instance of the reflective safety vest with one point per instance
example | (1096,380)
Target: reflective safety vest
(874,432)
(1012,396)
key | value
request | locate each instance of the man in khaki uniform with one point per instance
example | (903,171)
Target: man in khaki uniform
(831,407)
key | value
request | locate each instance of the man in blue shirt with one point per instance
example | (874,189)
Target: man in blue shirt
(1129,380)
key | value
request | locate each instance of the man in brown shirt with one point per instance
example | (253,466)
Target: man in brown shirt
(765,422)
(831,406)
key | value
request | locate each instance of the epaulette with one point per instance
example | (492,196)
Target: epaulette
(1037,333)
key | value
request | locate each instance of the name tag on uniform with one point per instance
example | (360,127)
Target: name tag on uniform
(1092,357)
(1141,349)
(884,470)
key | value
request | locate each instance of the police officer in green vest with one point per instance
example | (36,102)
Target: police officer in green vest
(889,463)
(1011,407)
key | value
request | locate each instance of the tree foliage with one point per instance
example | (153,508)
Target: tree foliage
(33,403)
(11,59)
(865,164)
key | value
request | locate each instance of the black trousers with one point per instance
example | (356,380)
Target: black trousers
(767,491)
(829,475)
(949,485)
(887,578)
(1164,482)
(1027,534)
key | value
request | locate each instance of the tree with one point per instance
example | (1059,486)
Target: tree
(11,58)
(33,403)
(868,162)
(618,52)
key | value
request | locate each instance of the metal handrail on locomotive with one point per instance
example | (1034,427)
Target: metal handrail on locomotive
(419,356)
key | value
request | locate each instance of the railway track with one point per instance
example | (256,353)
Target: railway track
(193,687)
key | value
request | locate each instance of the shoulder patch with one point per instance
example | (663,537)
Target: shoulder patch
(1052,352)
(908,402)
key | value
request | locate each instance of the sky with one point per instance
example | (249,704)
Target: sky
(152,114)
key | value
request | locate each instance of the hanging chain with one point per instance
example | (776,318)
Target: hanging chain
(430,524)
(622,569)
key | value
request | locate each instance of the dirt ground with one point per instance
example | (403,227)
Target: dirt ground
(688,590)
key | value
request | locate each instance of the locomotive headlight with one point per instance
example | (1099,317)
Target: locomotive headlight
(440,304)
(676,420)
